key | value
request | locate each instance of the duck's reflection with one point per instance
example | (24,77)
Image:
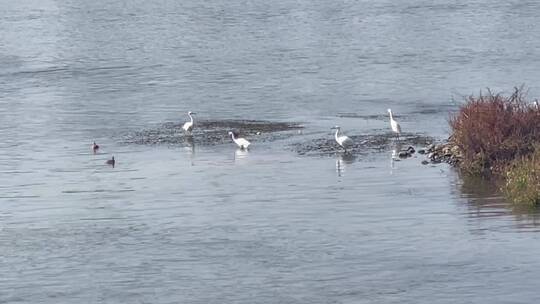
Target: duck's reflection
(342,160)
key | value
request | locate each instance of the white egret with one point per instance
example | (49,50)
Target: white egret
(342,140)
(240,142)
(394,124)
(188,126)
(536,105)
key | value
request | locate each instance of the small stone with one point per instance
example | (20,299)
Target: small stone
(425,162)
(422,151)
(430,148)
(411,150)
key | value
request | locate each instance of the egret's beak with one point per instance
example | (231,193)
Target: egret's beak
(193,113)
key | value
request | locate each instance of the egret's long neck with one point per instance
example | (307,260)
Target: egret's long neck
(190,117)
(337,133)
(233,137)
(391,117)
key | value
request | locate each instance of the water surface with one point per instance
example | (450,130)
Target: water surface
(207,223)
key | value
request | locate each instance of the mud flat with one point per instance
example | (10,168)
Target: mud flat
(362,144)
(212,132)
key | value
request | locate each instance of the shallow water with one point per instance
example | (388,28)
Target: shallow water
(207,223)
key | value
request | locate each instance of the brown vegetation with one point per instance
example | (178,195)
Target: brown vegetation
(522,185)
(500,135)
(492,129)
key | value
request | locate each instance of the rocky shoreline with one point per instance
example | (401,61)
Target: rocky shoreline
(446,152)
(435,153)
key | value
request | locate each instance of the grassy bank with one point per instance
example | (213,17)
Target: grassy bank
(522,180)
(500,135)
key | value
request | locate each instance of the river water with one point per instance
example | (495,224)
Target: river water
(207,223)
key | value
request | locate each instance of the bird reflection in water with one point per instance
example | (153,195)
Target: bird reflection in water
(396,147)
(190,148)
(240,154)
(342,160)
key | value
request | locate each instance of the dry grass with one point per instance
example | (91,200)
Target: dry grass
(522,185)
(492,130)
